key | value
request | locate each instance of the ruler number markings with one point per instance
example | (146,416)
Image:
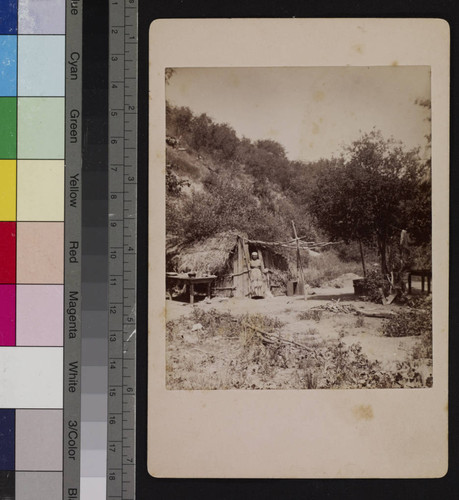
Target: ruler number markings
(122,247)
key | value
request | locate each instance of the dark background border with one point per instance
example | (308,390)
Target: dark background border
(421,489)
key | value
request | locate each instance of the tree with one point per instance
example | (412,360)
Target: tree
(201,138)
(370,193)
(272,147)
(168,73)
(224,140)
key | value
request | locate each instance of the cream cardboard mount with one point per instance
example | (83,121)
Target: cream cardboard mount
(351,433)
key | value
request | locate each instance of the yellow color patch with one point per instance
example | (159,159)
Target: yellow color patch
(40,190)
(7,190)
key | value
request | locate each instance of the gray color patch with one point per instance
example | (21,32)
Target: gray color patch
(38,485)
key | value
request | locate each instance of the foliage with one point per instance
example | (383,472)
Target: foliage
(372,286)
(168,73)
(373,190)
(359,322)
(179,120)
(228,204)
(411,321)
(250,187)
(259,365)
(218,322)
(314,314)
(174,184)
(326,267)
(423,349)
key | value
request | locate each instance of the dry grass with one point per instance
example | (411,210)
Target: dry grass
(209,255)
(327,267)
(227,353)
(312,314)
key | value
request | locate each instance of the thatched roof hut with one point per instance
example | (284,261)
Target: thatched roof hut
(227,255)
(209,255)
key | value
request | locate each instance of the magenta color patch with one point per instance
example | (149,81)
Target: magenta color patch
(7,314)
(39,317)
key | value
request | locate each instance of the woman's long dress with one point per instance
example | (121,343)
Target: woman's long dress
(257,285)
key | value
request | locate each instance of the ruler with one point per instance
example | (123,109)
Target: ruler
(122,249)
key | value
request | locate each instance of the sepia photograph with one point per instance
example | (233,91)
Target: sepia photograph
(298,248)
(298,228)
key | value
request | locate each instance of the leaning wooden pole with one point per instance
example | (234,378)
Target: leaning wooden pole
(363,259)
(299,265)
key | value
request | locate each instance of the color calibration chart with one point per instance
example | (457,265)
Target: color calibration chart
(32,126)
(66,421)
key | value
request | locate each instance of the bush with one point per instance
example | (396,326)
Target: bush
(372,285)
(359,322)
(219,323)
(252,362)
(314,314)
(413,321)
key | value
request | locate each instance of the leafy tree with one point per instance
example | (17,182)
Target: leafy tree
(228,203)
(256,189)
(201,138)
(224,140)
(272,147)
(174,184)
(371,193)
(168,73)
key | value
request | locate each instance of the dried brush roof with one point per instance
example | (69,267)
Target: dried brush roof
(207,255)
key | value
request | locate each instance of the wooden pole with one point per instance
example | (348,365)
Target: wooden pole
(299,265)
(297,252)
(247,264)
(363,259)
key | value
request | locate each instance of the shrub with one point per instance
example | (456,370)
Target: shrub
(423,349)
(359,322)
(259,364)
(215,322)
(372,285)
(413,321)
(314,314)
(219,323)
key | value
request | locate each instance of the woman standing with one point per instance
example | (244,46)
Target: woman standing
(257,284)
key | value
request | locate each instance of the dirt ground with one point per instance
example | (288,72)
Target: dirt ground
(193,356)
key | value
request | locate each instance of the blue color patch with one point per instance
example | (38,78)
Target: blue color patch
(8,17)
(8,65)
(7,439)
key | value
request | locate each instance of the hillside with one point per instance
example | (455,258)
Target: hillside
(218,182)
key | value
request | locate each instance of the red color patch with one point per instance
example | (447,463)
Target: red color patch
(8,252)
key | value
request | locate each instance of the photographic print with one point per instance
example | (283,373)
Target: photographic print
(298,228)
(298,248)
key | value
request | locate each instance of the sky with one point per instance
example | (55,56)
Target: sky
(311,111)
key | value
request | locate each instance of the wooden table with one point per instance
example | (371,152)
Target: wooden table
(184,279)
(423,273)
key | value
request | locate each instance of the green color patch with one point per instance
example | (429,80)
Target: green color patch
(41,126)
(7,128)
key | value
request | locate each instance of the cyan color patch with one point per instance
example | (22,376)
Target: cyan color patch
(7,439)
(8,17)
(41,65)
(8,65)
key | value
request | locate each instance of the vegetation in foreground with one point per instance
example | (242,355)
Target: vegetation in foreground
(218,350)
